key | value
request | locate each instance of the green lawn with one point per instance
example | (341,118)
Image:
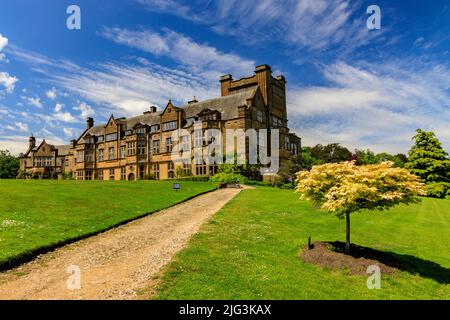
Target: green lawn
(250,250)
(42,213)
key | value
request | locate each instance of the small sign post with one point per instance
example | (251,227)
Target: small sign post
(176,186)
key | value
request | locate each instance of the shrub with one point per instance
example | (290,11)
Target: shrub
(67,176)
(258,183)
(438,189)
(229,178)
(181,173)
(193,178)
(149,176)
(287,186)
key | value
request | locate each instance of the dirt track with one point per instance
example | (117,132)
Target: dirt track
(117,263)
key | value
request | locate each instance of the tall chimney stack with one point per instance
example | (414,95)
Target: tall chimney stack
(32,141)
(89,122)
(225,84)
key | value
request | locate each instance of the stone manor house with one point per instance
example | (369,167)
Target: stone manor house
(141,146)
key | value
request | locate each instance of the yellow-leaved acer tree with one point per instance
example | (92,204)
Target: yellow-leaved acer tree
(344,188)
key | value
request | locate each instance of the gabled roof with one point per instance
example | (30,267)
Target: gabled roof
(63,150)
(145,119)
(227,105)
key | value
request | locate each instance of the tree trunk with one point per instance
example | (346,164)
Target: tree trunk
(347,235)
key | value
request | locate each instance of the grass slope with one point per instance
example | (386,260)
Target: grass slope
(250,250)
(41,213)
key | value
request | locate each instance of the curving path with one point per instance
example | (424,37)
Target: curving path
(115,264)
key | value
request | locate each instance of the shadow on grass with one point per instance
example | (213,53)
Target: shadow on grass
(403,262)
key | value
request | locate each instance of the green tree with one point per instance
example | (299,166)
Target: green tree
(9,165)
(428,160)
(365,157)
(369,157)
(331,153)
(307,160)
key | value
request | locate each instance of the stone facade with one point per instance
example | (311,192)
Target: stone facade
(141,146)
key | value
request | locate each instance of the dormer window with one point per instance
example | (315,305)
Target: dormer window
(209,115)
(154,128)
(111,137)
(169,126)
(140,130)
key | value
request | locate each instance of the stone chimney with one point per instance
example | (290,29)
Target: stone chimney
(194,100)
(263,77)
(225,84)
(73,143)
(152,109)
(32,141)
(89,123)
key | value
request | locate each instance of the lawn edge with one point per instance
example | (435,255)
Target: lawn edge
(30,255)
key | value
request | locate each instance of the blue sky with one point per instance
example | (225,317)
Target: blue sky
(362,88)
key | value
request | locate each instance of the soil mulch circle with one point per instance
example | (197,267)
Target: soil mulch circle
(331,255)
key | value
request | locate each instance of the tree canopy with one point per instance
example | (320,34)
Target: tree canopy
(428,159)
(345,188)
(331,153)
(9,165)
(334,153)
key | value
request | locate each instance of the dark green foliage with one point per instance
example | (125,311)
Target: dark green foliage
(428,160)
(307,160)
(9,165)
(319,154)
(194,178)
(250,171)
(364,157)
(331,153)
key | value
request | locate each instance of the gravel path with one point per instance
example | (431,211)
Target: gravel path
(117,263)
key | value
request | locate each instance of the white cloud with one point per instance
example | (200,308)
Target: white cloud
(58,107)
(19,143)
(35,102)
(3,44)
(85,109)
(373,105)
(62,116)
(8,81)
(51,94)
(182,49)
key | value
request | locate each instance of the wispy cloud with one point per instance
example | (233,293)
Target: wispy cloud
(305,24)
(182,49)
(373,105)
(131,89)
